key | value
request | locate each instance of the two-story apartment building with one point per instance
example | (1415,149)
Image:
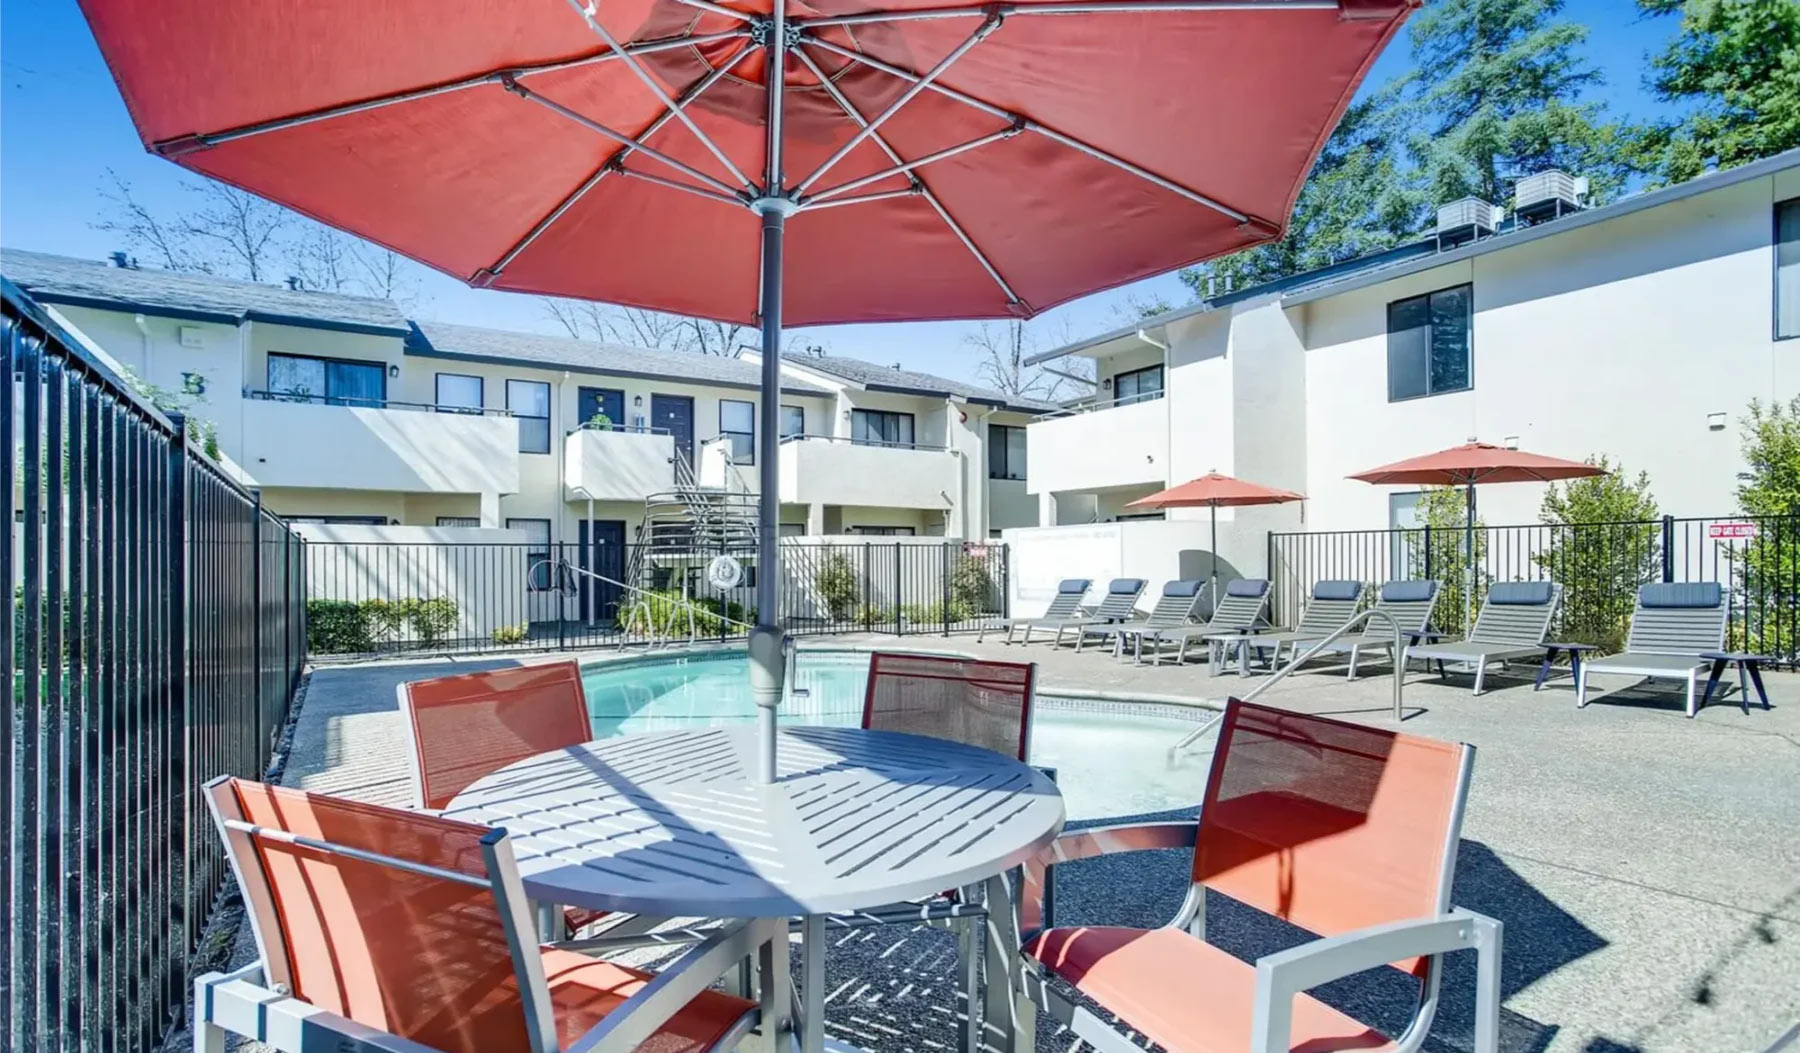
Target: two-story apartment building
(1640,330)
(343,411)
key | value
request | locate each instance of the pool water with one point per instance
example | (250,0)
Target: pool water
(1109,760)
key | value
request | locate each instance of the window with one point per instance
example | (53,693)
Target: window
(529,400)
(301,378)
(458,521)
(600,402)
(793,421)
(737,422)
(791,529)
(883,531)
(537,549)
(460,393)
(1406,551)
(1787,269)
(1428,343)
(1006,452)
(876,428)
(1139,385)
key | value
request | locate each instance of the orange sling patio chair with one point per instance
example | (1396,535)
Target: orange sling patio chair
(1349,832)
(381,930)
(466,726)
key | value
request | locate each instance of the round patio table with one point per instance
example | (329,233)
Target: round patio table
(675,824)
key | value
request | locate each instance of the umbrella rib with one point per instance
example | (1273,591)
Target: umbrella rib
(858,199)
(587,14)
(1050,133)
(720,9)
(903,167)
(1118,7)
(621,138)
(931,197)
(185,144)
(615,162)
(919,84)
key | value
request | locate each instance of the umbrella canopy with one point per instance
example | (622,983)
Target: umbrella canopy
(1477,462)
(1467,465)
(1213,490)
(937,161)
(1216,491)
(1054,149)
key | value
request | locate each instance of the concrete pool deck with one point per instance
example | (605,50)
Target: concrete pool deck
(1647,866)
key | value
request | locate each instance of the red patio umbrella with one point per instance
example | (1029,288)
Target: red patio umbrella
(1471,463)
(1216,491)
(937,159)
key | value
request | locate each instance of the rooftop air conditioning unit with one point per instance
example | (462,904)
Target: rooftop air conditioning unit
(1465,220)
(1548,195)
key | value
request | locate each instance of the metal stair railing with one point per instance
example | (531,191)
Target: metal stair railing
(1306,656)
(678,606)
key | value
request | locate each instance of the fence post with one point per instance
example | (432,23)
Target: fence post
(1428,574)
(944,610)
(555,571)
(865,587)
(1668,548)
(176,589)
(899,556)
(256,612)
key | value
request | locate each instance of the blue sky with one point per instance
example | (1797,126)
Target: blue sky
(62,126)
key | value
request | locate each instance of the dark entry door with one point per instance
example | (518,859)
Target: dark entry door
(590,401)
(603,552)
(676,413)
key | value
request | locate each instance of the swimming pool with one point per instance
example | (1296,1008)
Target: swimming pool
(1111,759)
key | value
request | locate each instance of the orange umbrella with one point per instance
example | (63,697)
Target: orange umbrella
(1471,463)
(1215,491)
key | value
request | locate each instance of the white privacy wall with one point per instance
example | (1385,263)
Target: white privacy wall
(482,571)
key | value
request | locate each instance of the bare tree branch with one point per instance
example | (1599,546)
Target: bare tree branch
(321,259)
(240,227)
(142,230)
(1004,347)
(644,328)
(385,273)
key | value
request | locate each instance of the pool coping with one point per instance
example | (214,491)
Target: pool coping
(1188,706)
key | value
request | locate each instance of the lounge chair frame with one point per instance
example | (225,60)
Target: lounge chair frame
(1481,653)
(1063,606)
(1282,975)
(1113,608)
(1170,612)
(253,1001)
(1413,618)
(1660,643)
(1231,616)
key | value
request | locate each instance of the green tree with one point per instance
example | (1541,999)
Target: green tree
(1768,570)
(1735,66)
(1355,201)
(1440,550)
(1497,92)
(1603,543)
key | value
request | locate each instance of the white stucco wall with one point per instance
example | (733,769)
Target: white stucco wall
(297,444)
(1158,552)
(842,473)
(1120,445)
(482,571)
(617,465)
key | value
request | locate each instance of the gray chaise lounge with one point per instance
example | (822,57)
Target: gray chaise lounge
(1674,623)
(1176,608)
(1411,604)
(1513,623)
(1065,604)
(1331,606)
(1119,604)
(1240,608)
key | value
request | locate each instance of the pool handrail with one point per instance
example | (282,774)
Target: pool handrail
(1305,656)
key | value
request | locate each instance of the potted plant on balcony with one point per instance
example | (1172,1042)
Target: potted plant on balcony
(600,422)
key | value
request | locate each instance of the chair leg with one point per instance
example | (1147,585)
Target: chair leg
(208,1036)
(1692,685)
(1480,674)
(1355,651)
(1581,688)
(968,962)
(1488,990)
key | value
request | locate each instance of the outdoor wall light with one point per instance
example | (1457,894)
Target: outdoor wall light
(1715,422)
(637,401)
(394,372)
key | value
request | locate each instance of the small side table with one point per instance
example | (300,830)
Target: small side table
(1221,643)
(1748,665)
(1551,650)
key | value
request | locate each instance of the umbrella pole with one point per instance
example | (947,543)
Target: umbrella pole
(1215,557)
(767,641)
(1469,556)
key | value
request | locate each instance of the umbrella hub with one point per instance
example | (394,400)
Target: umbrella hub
(763,28)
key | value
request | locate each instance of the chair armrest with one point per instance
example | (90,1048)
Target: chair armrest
(634,1020)
(1281,976)
(1088,843)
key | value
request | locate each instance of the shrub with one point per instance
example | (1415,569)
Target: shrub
(936,613)
(838,587)
(1602,547)
(971,586)
(386,619)
(661,611)
(511,634)
(433,619)
(873,614)
(337,627)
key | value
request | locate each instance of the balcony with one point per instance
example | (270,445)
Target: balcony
(393,446)
(828,470)
(1100,446)
(617,463)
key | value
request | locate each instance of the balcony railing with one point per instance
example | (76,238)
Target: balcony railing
(1094,406)
(847,440)
(364,403)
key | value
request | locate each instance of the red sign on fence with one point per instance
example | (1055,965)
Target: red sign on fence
(1730,531)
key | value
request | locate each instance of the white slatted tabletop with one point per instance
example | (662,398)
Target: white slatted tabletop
(675,823)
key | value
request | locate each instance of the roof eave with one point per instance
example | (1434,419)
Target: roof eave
(587,369)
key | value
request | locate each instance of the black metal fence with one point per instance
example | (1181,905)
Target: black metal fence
(377,597)
(1599,565)
(154,639)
